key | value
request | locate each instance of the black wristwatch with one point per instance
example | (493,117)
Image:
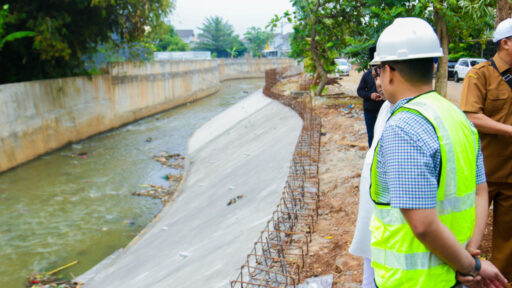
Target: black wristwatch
(474,272)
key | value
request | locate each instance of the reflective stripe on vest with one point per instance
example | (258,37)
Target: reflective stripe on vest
(398,256)
(444,207)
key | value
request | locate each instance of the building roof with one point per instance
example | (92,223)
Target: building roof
(186,33)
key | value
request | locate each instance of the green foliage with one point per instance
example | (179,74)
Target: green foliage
(4,13)
(66,31)
(379,15)
(350,28)
(320,30)
(257,39)
(166,39)
(217,36)
(459,15)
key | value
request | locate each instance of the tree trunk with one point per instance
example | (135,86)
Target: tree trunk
(503,11)
(441,83)
(315,51)
(315,78)
(322,84)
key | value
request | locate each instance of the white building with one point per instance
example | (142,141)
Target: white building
(279,46)
(187,35)
(187,55)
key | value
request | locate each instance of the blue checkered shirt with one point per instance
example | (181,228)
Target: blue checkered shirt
(409,161)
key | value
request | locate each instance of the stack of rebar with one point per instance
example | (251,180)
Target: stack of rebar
(279,252)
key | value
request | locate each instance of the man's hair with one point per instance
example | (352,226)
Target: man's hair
(414,71)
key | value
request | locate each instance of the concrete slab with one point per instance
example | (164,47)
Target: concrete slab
(200,241)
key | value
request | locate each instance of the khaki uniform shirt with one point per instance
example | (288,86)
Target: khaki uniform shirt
(485,91)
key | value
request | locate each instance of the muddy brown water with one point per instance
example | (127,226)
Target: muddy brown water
(62,207)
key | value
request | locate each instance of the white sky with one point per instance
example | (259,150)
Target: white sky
(242,14)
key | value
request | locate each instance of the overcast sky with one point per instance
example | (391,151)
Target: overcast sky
(242,14)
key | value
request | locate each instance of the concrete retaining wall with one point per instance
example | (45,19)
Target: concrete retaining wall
(41,116)
(198,240)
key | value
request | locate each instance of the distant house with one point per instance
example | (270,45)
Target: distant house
(187,35)
(279,46)
(186,55)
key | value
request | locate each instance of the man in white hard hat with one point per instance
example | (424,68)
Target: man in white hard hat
(426,169)
(487,101)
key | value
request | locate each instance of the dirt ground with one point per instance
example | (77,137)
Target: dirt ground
(342,154)
(343,148)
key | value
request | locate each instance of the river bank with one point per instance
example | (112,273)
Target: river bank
(201,239)
(44,115)
(60,208)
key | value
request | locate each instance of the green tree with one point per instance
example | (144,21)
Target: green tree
(451,19)
(320,29)
(66,31)
(325,29)
(257,39)
(217,36)
(165,38)
(378,15)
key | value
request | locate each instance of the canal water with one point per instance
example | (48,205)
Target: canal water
(62,207)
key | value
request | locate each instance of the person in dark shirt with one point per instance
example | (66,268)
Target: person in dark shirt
(372,101)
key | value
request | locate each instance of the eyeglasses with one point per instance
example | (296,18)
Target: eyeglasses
(378,69)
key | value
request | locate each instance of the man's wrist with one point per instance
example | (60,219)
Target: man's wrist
(476,268)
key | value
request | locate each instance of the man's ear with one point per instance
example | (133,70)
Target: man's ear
(391,75)
(505,43)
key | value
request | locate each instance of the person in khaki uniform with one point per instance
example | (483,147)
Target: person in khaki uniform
(487,101)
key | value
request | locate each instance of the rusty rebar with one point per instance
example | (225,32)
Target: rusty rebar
(279,253)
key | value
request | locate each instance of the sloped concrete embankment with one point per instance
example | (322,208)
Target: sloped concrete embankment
(200,241)
(41,116)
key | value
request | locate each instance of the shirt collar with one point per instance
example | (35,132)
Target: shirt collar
(404,101)
(399,104)
(500,64)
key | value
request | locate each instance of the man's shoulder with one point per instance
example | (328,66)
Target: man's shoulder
(481,70)
(408,131)
(483,65)
(406,119)
(409,123)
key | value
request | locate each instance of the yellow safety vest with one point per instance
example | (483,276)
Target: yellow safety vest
(398,257)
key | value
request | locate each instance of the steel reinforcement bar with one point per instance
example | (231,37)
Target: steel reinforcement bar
(279,252)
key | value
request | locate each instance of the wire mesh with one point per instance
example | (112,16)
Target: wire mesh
(278,254)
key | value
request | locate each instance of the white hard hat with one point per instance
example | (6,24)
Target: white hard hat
(503,30)
(407,38)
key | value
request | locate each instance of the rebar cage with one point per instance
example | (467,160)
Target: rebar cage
(279,252)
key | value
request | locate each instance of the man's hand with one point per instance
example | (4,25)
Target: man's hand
(375,96)
(472,250)
(491,276)
(470,282)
